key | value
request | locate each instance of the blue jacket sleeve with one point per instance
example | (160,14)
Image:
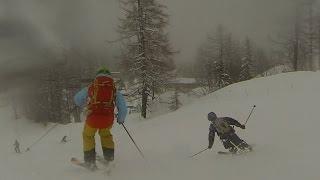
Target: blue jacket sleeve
(80,98)
(122,108)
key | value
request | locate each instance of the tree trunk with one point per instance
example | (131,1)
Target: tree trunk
(311,36)
(296,43)
(76,114)
(144,103)
(318,43)
(142,51)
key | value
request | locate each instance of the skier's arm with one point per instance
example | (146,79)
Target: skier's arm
(81,97)
(122,108)
(211,136)
(234,122)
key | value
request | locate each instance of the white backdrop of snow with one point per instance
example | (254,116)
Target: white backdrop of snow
(284,129)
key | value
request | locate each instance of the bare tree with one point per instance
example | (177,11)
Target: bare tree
(299,44)
(308,32)
(50,98)
(216,59)
(318,39)
(233,57)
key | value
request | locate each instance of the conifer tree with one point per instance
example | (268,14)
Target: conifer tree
(147,54)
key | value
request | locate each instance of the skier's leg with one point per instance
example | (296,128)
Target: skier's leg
(244,145)
(239,142)
(107,144)
(89,144)
(228,145)
(231,147)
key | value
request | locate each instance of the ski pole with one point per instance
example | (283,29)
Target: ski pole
(133,140)
(250,114)
(199,152)
(44,135)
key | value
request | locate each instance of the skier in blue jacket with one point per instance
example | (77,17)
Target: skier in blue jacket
(101,98)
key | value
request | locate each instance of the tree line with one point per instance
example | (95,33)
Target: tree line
(147,63)
(224,59)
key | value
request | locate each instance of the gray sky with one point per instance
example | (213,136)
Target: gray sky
(29,27)
(191,20)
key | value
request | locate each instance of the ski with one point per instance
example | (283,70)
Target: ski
(236,153)
(231,153)
(80,163)
(108,165)
(225,152)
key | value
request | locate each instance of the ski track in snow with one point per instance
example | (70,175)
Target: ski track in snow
(283,128)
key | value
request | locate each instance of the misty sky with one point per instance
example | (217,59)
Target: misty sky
(29,27)
(191,20)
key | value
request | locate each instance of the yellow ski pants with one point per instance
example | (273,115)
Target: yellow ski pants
(89,140)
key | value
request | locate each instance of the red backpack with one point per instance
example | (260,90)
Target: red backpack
(101,95)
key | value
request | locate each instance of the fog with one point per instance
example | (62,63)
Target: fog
(32,29)
(191,21)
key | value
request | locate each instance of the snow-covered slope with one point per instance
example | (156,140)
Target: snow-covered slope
(283,129)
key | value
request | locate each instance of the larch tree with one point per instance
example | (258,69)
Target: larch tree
(147,54)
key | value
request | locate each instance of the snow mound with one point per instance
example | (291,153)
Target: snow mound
(283,129)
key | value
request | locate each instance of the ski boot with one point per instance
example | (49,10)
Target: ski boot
(245,147)
(90,160)
(108,154)
(91,166)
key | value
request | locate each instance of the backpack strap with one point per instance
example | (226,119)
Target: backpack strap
(95,90)
(222,126)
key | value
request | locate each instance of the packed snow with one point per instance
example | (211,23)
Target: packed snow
(283,130)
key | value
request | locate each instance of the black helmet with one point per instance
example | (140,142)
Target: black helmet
(212,116)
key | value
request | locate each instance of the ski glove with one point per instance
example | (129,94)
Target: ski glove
(119,121)
(242,126)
